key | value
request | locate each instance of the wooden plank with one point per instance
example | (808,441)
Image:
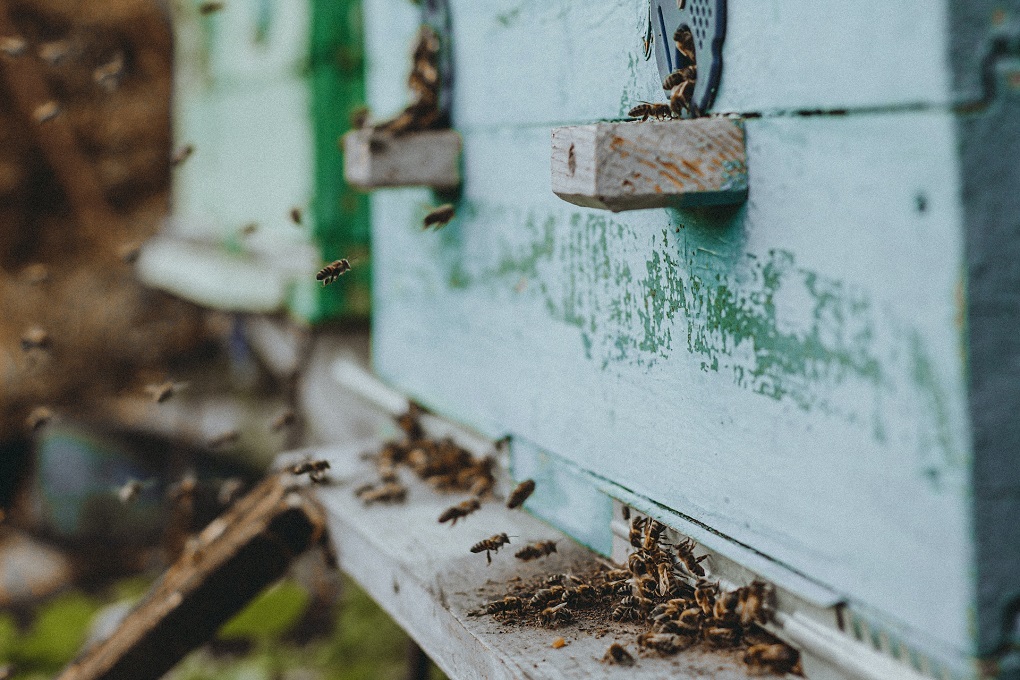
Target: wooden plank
(651,164)
(560,62)
(374,160)
(234,557)
(423,575)
(679,352)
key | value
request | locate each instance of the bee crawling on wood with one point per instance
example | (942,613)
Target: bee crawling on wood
(557,614)
(520,494)
(771,658)
(507,604)
(547,595)
(333,271)
(315,469)
(491,545)
(439,218)
(536,550)
(458,511)
(664,643)
(645,110)
(618,654)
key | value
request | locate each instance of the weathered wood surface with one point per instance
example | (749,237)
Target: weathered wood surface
(374,160)
(233,558)
(422,573)
(651,164)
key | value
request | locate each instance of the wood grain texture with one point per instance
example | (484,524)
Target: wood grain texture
(651,164)
(373,160)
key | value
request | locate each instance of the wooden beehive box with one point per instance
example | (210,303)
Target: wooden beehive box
(821,383)
(263,91)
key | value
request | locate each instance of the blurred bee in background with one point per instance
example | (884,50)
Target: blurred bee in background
(618,654)
(458,511)
(536,550)
(520,494)
(439,217)
(775,658)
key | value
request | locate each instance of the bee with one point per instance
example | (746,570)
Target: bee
(636,602)
(46,112)
(725,609)
(547,595)
(638,564)
(536,550)
(704,596)
(653,530)
(621,613)
(775,658)
(754,605)
(645,110)
(163,391)
(556,614)
(409,422)
(616,574)
(384,493)
(582,595)
(637,530)
(618,654)
(180,155)
(520,494)
(722,636)
(458,511)
(509,603)
(229,490)
(625,511)
(224,439)
(333,271)
(285,419)
(491,545)
(668,584)
(664,611)
(439,217)
(130,491)
(690,620)
(678,76)
(564,580)
(683,38)
(35,338)
(664,643)
(13,45)
(38,417)
(207,8)
(680,99)
(685,553)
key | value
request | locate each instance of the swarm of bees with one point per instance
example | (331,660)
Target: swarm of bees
(423,113)
(680,84)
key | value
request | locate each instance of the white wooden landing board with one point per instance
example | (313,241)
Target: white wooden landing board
(423,575)
(788,373)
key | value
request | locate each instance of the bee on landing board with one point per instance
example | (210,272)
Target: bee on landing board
(520,494)
(333,271)
(491,545)
(618,654)
(536,550)
(664,643)
(558,614)
(439,218)
(458,511)
(771,658)
(645,110)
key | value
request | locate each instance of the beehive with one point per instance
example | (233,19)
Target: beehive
(820,383)
(263,91)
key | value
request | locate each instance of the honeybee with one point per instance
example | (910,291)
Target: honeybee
(775,658)
(645,110)
(618,654)
(683,38)
(547,595)
(722,636)
(685,553)
(35,337)
(285,419)
(690,620)
(563,580)
(180,155)
(536,550)
(384,493)
(638,564)
(681,99)
(616,574)
(625,512)
(520,494)
(704,596)
(642,604)
(13,45)
(163,391)
(54,51)
(582,595)
(754,604)
(556,614)
(725,609)
(491,545)
(130,491)
(509,603)
(38,417)
(224,439)
(439,217)
(207,8)
(458,511)
(664,643)
(636,534)
(668,584)
(333,271)
(410,422)
(621,613)
(653,530)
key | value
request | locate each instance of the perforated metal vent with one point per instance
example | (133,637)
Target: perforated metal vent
(706,20)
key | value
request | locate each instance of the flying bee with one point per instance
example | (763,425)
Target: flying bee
(704,596)
(333,271)
(547,595)
(285,419)
(685,553)
(664,643)
(182,154)
(618,654)
(224,439)
(35,337)
(536,550)
(458,511)
(645,110)
(491,545)
(207,8)
(683,38)
(556,614)
(385,493)
(163,391)
(439,217)
(38,417)
(520,494)
(509,603)
(771,658)
(722,636)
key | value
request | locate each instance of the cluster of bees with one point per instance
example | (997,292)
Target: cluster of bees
(680,84)
(423,113)
(664,588)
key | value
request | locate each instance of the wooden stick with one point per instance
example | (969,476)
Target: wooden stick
(228,564)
